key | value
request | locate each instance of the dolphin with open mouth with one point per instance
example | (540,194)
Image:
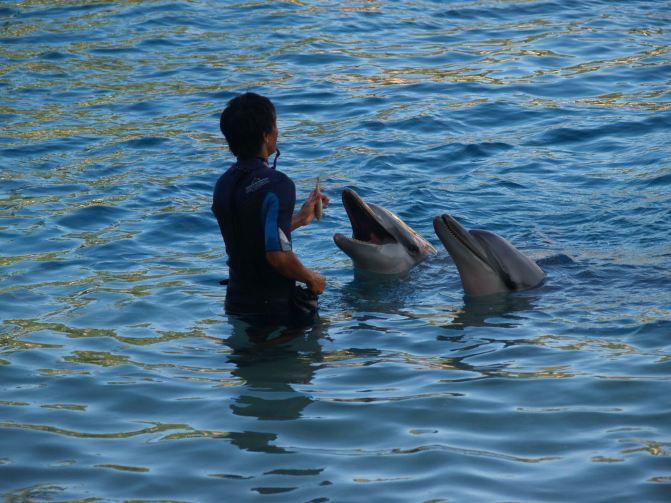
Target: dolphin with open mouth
(487,263)
(381,242)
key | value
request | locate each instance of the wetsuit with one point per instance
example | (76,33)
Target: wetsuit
(254,206)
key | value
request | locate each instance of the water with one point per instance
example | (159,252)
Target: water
(546,122)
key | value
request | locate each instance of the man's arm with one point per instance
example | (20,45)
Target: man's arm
(289,266)
(278,223)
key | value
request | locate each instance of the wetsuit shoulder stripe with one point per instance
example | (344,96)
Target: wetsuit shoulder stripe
(270,212)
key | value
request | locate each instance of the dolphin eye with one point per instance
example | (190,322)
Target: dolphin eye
(413,248)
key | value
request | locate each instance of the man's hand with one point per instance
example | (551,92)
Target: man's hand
(308,211)
(317,283)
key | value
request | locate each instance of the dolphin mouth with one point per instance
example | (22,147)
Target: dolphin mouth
(460,234)
(366,227)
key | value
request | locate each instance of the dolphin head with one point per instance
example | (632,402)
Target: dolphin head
(381,242)
(487,263)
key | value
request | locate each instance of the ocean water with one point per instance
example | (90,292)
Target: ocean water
(548,122)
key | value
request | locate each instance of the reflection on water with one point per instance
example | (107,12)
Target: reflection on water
(270,362)
(368,292)
(501,311)
(256,337)
(274,372)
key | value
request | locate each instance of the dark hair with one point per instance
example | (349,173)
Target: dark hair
(244,121)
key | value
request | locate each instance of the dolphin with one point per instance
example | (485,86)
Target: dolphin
(487,263)
(381,242)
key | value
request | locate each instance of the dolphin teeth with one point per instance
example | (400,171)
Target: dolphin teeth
(365,226)
(449,227)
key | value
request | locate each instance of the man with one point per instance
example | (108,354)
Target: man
(254,206)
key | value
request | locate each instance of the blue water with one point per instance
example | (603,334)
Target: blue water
(547,122)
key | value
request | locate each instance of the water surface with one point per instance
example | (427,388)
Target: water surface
(546,122)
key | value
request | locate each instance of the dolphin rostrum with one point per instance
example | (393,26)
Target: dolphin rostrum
(381,242)
(487,263)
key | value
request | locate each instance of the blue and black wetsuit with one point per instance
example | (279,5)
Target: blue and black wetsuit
(254,205)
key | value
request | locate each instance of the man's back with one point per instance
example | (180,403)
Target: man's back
(254,205)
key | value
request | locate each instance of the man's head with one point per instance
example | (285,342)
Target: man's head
(248,122)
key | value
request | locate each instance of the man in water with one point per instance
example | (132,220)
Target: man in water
(254,206)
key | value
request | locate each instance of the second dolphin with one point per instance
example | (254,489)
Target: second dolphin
(487,263)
